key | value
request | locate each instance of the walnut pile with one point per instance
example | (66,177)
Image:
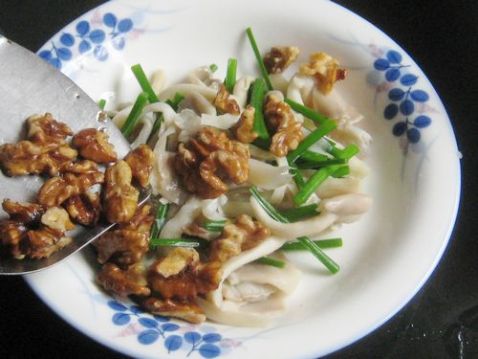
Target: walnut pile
(325,69)
(44,152)
(281,121)
(36,230)
(279,58)
(209,160)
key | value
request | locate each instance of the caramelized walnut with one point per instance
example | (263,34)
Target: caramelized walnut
(244,129)
(11,235)
(188,311)
(23,212)
(123,282)
(127,244)
(80,167)
(26,157)
(141,162)
(225,103)
(93,145)
(84,208)
(210,159)
(325,69)
(280,119)
(176,261)
(57,190)
(45,129)
(57,218)
(279,58)
(193,279)
(120,198)
(244,234)
(42,242)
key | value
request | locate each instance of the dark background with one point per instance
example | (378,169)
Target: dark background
(442,320)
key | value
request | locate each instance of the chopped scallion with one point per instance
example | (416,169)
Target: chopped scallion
(300,213)
(314,249)
(340,172)
(160,219)
(213,68)
(101,104)
(346,153)
(258,56)
(269,208)
(144,83)
(325,128)
(134,114)
(175,101)
(321,243)
(319,254)
(173,242)
(214,225)
(311,185)
(271,261)
(258,93)
(230,80)
(320,164)
(307,112)
(313,156)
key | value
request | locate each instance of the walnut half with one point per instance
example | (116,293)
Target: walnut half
(325,69)
(120,197)
(93,145)
(279,58)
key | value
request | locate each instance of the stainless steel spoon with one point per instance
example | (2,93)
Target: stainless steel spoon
(28,85)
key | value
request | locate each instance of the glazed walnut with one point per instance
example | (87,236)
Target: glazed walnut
(23,212)
(45,129)
(84,208)
(209,160)
(225,103)
(127,244)
(26,157)
(141,161)
(43,242)
(120,197)
(244,234)
(11,235)
(57,218)
(279,58)
(57,190)
(186,310)
(325,69)
(244,129)
(123,282)
(193,279)
(93,145)
(281,120)
(176,261)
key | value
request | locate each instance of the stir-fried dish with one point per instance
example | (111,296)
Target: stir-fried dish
(243,169)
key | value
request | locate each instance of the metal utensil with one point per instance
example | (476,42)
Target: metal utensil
(28,86)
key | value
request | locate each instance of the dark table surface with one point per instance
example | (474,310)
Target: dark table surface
(442,319)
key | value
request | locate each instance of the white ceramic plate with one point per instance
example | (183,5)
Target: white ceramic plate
(386,257)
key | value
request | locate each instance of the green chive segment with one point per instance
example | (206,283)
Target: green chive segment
(271,261)
(258,56)
(144,83)
(230,80)
(258,93)
(319,254)
(306,111)
(173,242)
(306,241)
(214,225)
(325,128)
(134,114)
(101,104)
(322,243)
(300,213)
(160,219)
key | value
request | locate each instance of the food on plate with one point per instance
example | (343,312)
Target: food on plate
(242,169)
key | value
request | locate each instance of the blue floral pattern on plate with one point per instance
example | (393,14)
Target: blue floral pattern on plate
(149,330)
(89,39)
